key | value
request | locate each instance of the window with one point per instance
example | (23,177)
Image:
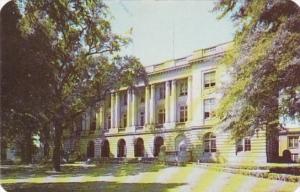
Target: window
(142,99)
(210,143)
(243,145)
(109,122)
(142,119)
(247,143)
(93,122)
(209,105)
(183,114)
(124,99)
(183,88)
(162,93)
(294,157)
(293,141)
(124,120)
(239,145)
(161,116)
(209,79)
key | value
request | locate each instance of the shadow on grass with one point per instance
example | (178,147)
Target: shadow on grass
(116,170)
(97,186)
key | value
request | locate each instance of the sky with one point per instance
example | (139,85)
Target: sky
(168,29)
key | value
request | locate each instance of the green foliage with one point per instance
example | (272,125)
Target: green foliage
(264,64)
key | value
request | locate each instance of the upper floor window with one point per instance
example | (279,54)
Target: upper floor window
(247,143)
(124,120)
(125,99)
(183,88)
(162,93)
(293,141)
(183,114)
(142,99)
(93,121)
(209,105)
(209,79)
(210,143)
(161,116)
(142,118)
(109,122)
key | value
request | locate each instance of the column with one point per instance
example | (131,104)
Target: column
(152,104)
(117,110)
(147,99)
(173,102)
(128,108)
(133,107)
(112,113)
(189,99)
(167,101)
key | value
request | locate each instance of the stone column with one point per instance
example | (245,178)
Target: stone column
(128,108)
(167,101)
(133,107)
(112,113)
(117,110)
(189,99)
(173,102)
(147,99)
(152,104)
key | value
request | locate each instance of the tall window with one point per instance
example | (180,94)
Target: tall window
(162,93)
(109,122)
(124,99)
(183,114)
(293,141)
(124,120)
(142,119)
(142,99)
(93,121)
(210,143)
(247,143)
(209,79)
(161,116)
(183,88)
(209,105)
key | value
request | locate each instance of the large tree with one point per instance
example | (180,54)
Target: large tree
(81,55)
(264,64)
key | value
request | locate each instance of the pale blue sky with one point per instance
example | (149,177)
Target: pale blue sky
(167,29)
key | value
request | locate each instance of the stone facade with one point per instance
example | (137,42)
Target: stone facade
(176,109)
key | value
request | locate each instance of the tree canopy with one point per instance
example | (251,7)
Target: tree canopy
(264,64)
(77,61)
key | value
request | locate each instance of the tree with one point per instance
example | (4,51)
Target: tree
(264,64)
(83,58)
(23,83)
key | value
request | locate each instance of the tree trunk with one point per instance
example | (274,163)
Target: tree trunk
(57,146)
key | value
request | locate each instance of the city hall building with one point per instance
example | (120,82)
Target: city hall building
(175,110)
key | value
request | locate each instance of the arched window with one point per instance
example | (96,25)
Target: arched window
(121,148)
(210,142)
(105,148)
(139,147)
(90,151)
(158,142)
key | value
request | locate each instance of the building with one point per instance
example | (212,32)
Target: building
(176,110)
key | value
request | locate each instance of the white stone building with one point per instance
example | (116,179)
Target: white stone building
(176,109)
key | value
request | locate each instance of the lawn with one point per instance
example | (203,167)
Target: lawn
(133,177)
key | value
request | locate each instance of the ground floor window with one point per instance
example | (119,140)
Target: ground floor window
(243,145)
(294,157)
(210,143)
(293,141)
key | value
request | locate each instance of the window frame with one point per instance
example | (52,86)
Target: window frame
(161,116)
(142,118)
(210,107)
(183,113)
(210,143)
(207,76)
(294,143)
(183,88)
